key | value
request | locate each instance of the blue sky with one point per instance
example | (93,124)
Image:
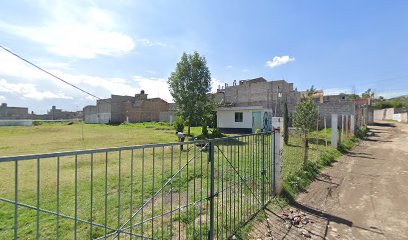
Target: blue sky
(124,46)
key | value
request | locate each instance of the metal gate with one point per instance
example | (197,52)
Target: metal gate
(192,190)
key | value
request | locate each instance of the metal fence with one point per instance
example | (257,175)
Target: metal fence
(192,190)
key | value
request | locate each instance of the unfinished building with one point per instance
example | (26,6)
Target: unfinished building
(248,105)
(130,109)
(11,113)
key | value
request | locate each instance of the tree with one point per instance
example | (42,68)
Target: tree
(305,122)
(368,94)
(286,124)
(311,91)
(189,86)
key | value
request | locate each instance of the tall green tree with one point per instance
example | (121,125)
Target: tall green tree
(189,85)
(305,122)
(286,124)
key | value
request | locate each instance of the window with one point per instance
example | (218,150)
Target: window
(239,116)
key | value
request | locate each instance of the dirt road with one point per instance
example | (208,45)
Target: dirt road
(362,196)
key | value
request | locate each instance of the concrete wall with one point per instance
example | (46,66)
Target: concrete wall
(259,92)
(144,111)
(387,113)
(400,117)
(226,119)
(16,122)
(167,116)
(328,108)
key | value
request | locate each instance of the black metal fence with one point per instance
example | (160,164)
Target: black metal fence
(198,190)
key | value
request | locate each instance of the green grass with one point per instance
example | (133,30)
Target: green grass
(55,137)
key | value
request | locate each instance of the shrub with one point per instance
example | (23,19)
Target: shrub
(179,124)
(216,133)
(204,130)
(361,132)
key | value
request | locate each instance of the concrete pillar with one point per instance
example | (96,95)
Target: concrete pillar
(277,127)
(352,124)
(347,126)
(334,120)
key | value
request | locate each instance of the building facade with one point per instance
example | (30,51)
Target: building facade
(253,97)
(7,112)
(131,109)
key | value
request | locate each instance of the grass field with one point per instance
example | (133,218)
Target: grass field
(108,188)
(55,137)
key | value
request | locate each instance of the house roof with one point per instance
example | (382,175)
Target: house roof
(240,108)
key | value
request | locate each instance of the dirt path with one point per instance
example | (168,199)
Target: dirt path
(362,196)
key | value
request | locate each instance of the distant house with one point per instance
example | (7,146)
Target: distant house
(57,114)
(7,112)
(126,109)
(256,100)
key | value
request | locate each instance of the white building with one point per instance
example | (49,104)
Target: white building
(243,119)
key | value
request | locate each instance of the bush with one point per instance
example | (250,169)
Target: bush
(361,132)
(216,133)
(204,130)
(179,124)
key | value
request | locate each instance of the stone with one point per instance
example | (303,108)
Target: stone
(306,233)
(296,220)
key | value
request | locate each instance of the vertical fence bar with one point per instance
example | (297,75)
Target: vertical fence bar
(143,170)
(106,194)
(274,162)
(58,198)
(171,192)
(91,205)
(194,188)
(38,199)
(119,185)
(211,161)
(76,196)
(162,205)
(131,195)
(263,169)
(15,199)
(153,198)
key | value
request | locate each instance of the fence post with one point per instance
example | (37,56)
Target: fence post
(334,120)
(211,161)
(277,127)
(352,125)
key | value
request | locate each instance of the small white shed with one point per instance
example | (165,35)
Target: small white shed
(243,119)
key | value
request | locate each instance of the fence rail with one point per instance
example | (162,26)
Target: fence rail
(194,190)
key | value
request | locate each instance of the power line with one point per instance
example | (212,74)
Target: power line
(51,74)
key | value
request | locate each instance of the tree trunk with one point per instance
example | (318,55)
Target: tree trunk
(189,125)
(305,152)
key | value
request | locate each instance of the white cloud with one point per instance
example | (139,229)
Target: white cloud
(215,84)
(3,99)
(336,91)
(76,32)
(245,70)
(277,61)
(155,87)
(228,66)
(29,91)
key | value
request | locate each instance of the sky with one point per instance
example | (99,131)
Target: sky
(124,46)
